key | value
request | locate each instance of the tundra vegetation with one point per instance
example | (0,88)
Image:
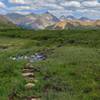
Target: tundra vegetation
(71,70)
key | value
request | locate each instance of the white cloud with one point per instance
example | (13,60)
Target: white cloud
(93,3)
(60,13)
(53,6)
(21,1)
(59,4)
(20,8)
(60,7)
(71,4)
(2,5)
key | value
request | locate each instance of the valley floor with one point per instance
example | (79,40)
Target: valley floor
(71,70)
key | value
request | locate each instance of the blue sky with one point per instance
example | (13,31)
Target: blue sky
(77,8)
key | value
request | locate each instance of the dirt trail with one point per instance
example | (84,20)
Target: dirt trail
(28,73)
(29,76)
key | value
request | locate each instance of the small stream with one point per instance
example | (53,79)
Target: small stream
(31,58)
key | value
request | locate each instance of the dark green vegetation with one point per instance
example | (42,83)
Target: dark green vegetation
(71,71)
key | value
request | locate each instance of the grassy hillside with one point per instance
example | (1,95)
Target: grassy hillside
(70,72)
(5,23)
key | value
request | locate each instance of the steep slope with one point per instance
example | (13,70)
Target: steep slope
(5,23)
(65,24)
(15,18)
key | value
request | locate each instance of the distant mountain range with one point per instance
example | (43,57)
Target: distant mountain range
(47,21)
(84,19)
(70,17)
(33,21)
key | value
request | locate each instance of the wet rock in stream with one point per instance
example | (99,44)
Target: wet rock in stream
(32,58)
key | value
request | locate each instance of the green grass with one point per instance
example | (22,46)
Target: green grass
(71,72)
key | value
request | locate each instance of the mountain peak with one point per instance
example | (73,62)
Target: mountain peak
(84,18)
(70,17)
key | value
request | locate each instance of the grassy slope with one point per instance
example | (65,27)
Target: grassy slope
(73,70)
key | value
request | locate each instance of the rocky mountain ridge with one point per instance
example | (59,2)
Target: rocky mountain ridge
(47,21)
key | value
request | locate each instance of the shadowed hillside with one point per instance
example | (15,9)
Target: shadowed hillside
(5,23)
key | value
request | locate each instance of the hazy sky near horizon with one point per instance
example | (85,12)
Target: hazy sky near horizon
(77,8)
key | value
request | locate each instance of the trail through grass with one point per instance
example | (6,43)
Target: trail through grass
(70,72)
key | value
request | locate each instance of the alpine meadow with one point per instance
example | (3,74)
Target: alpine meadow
(50,50)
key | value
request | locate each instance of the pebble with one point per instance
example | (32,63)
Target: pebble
(27,74)
(27,70)
(29,85)
(35,99)
(29,79)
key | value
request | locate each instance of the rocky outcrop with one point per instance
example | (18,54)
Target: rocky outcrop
(66,24)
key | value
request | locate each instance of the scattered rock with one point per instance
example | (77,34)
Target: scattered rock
(28,66)
(32,80)
(13,58)
(29,85)
(36,69)
(28,74)
(27,70)
(35,99)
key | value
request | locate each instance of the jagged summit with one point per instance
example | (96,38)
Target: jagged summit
(70,17)
(33,21)
(84,18)
(47,21)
